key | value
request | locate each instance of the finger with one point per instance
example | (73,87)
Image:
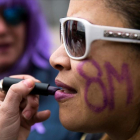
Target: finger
(38,117)
(41,116)
(23,104)
(31,108)
(24,77)
(17,93)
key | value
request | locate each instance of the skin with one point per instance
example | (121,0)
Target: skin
(18,110)
(120,121)
(14,36)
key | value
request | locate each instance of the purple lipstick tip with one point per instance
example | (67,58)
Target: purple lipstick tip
(52,90)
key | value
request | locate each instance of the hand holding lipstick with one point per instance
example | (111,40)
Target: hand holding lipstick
(19,112)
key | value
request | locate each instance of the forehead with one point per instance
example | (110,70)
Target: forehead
(83,5)
(95,11)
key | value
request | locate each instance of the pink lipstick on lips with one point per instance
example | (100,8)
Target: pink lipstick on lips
(65,93)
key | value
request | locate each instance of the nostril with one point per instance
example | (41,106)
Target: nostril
(59,67)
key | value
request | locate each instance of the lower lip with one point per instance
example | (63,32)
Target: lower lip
(59,95)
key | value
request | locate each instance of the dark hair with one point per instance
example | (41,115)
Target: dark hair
(130,9)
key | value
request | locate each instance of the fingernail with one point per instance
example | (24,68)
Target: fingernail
(29,83)
(27,115)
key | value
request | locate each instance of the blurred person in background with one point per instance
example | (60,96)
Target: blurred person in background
(25,44)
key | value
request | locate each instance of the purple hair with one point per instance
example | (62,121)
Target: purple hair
(37,49)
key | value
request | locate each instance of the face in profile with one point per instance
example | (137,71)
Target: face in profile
(12,36)
(100,92)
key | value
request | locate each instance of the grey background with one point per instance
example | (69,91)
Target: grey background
(54,10)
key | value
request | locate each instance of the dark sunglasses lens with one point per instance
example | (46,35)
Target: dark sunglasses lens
(14,15)
(75,38)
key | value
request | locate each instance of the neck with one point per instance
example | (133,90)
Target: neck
(125,134)
(136,136)
(125,128)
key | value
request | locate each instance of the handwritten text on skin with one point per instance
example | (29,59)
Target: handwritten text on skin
(108,96)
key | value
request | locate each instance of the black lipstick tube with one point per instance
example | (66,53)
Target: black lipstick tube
(39,89)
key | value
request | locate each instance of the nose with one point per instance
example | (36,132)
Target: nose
(60,60)
(3,27)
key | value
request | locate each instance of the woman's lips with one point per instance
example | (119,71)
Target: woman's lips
(66,91)
(59,95)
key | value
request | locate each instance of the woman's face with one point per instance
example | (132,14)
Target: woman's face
(12,41)
(100,92)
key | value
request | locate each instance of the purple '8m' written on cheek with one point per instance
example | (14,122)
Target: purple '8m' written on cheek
(91,80)
(108,96)
(125,75)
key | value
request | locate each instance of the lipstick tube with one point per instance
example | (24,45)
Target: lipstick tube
(39,89)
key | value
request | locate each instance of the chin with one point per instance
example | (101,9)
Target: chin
(70,125)
(78,123)
(71,122)
(73,125)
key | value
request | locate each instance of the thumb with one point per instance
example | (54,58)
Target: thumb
(16,93)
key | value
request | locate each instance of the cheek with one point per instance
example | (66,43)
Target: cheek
(95,93)
(95,90)
(19,33)
(108,92)
(105,89)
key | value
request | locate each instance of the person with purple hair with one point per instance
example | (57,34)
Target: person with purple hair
(24,18)
(25,44)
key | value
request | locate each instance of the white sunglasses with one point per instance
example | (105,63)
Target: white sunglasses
(78,34)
